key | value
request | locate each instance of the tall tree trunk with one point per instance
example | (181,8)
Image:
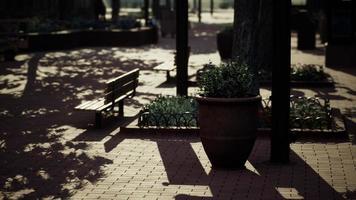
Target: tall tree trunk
(146,11)
(182,48)
(194,6)
(62,9)
(116,5)
(156,9)
(199,10)
(168,4)
(211,7)
(252,43)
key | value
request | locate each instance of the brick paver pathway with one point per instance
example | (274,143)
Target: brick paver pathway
(172,167)
(47,151)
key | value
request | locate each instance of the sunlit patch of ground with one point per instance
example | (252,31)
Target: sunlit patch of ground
(48,150)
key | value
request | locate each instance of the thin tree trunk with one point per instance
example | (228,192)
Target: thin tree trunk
(199,10)
(116,4)
(146,12)
(182,47)
(155,9)
(194,6)
(211,7)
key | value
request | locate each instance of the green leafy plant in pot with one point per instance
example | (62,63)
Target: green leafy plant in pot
(228,114)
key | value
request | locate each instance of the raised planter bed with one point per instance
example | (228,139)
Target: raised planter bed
(335,128)
(86,38)
(303,75)
(328,82)
(338,130)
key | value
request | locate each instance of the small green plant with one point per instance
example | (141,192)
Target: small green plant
(37,24)
(299,72)
(229,80)
(310,113)
(172,111)
(310,72)
(305,113)
(166,111)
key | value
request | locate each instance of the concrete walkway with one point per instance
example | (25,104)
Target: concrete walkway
(48,151)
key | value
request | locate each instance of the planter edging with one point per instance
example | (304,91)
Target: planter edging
(338,131)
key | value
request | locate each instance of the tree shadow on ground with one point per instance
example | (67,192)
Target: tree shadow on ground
(246,183)
(187,167)
(350,117)
(347,70)
(36,118)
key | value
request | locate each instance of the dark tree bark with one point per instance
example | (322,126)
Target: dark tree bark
(168,4)
(182,47)
(253,37)
(280,137)
(199,10)
(194,6)
(156,9)
(116,5)
(262,40)
(146,12)
(211,7)
(62,10)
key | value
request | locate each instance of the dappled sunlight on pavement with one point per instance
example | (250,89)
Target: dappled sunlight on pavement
(47,150)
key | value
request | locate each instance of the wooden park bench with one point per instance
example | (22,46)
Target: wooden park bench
(167,67)
(117,90)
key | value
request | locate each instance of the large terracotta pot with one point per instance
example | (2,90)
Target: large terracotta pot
(228,129)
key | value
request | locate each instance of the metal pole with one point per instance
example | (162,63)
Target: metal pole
(281,82)
(182,47)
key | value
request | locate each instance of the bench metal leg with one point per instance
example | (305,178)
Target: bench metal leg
(121,108)
(168,76)
(98,119)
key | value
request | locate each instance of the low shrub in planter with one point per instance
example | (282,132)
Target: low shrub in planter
(169,111)
(299,72)
(307,72)
(45,25)
(228,114)
(229,80)
(181,112)
(36,25)
(305,113)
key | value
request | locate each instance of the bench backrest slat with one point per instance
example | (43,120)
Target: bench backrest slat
(121,85)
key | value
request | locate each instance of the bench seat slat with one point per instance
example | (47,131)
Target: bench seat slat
(122,80)
(96,105)
(80,106)
(87,104)
(109,104)
(166,66)
(118,92)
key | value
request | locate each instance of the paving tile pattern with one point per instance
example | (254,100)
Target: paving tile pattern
(162,167)
(47,151)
